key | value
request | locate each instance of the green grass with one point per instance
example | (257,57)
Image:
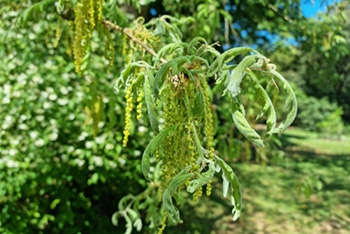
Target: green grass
(306,191)
(312,142)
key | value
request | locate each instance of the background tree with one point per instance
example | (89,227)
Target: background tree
(62,133)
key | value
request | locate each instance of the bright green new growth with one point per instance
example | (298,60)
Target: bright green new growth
(176,88)
(173,84)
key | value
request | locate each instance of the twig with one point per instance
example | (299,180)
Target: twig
(133,38)
(286,18)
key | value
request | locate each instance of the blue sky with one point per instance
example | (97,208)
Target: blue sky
(311,7)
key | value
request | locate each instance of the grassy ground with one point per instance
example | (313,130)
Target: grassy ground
(306,191)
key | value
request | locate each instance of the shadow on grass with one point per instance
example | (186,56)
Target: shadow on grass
(271,198)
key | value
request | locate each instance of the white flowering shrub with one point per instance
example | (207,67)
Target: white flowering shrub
(68,136)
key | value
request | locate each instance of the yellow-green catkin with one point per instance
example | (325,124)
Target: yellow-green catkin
(208,129)
(208,125)
(139,106)
(58,34)
(163,223)
(80,37)
(169,166)
(126,51)
(86,15)
(197,194)
(208,190)
(99,8)
(192,152)
(69,38)
(128,110)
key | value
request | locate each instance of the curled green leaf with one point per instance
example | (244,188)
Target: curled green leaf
(175,66)
(244,127)
(151,148)
(151,109)
(168,205)
(128,73)
(234,83)
(290,103)
(202,178)
(229,178)
(226,57)
(267,104)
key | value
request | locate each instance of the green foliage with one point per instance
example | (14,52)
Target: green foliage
(332,125)
(62,157)
(320,64)
(178,82)
(55,174)
(319,115)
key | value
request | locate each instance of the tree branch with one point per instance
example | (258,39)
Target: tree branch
(126,32)
(286,18)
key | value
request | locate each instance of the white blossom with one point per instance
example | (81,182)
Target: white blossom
(62,101)
(33,134)
(53,136)
(89,144)
(97,160)
(40,142)
(82,136)
(52,96)
(7,122)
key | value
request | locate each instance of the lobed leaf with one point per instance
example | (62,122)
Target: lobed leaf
(151,109)
(229,178)
(169,49)
(198,105)
(128,73)
(290,103)
(202,178)
(233,85)
(176,66)
(268,105)
(226,57)
(167,205)
(244,127)
(191,47)
(151,148)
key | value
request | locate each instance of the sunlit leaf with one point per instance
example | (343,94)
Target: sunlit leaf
(233,85)
(229,178)
(267,103)
(202,178)
(227,57)
(290,103)
(244,127)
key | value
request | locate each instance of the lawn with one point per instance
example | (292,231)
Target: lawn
(305,191)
